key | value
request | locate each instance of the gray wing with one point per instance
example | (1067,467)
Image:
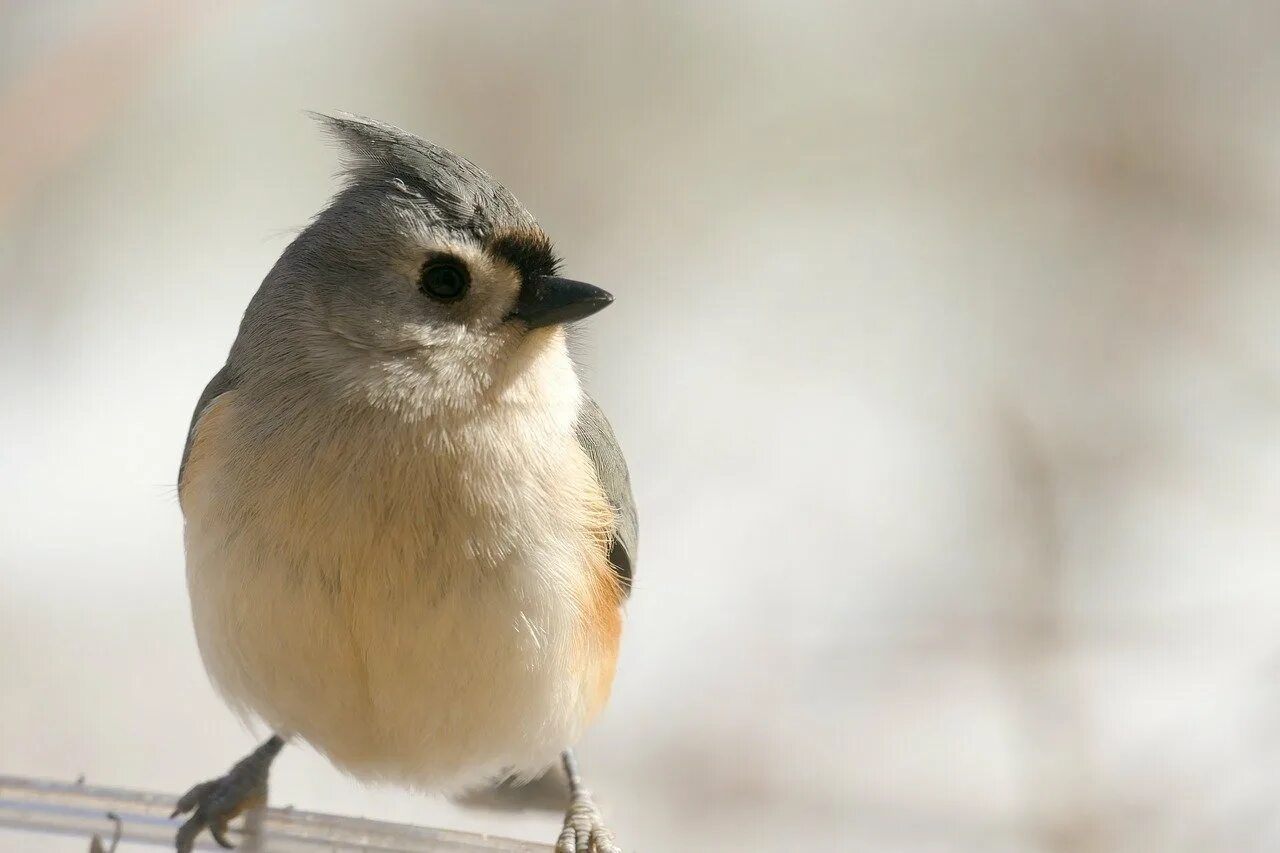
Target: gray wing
(597,440)
(221,383)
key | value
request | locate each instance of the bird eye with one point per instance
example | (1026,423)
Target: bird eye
(444,280)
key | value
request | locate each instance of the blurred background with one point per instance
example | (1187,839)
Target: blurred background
(945,356)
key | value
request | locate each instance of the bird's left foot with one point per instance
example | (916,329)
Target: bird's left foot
(584,830)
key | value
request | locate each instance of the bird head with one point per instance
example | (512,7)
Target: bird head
(423,271)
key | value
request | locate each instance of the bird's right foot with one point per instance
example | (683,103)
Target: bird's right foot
(584,831)
(218,801)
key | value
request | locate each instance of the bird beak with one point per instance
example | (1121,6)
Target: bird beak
(547,300)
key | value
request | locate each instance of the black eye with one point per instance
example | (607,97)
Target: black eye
(444,280)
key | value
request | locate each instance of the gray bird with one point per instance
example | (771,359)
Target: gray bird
(409,532)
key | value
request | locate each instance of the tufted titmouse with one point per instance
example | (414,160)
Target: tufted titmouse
(409,532)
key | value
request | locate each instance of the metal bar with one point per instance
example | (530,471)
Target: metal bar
(81,810)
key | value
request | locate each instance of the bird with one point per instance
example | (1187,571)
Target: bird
(409,532)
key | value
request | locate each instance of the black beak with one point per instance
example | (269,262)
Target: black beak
(546,300)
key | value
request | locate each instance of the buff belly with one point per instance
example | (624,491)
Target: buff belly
(411,617)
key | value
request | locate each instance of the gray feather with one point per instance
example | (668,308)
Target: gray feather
(596,437)
(465,197)
(221,383)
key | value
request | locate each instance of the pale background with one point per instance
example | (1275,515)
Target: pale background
(945,355)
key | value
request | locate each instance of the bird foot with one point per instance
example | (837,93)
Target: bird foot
(216,802)
(584,830)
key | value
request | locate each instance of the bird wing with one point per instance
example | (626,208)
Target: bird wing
(597,440)
(221,383)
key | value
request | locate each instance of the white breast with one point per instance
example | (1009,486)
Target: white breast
(423,602)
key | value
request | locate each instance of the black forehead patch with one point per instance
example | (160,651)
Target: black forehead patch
(529,250)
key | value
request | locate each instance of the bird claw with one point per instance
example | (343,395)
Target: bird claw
(584,830)
(216,802)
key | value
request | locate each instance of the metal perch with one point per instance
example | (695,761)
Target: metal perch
(78,810)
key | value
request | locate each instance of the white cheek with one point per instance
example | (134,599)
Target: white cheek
(419,356)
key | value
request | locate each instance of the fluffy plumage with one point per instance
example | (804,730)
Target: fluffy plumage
(400,545)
